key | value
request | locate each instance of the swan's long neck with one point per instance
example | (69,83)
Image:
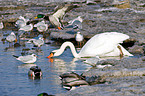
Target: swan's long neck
(72,47)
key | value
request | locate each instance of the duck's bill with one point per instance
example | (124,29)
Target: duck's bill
(51,55)
(59,28)
(16,40)
(35,17)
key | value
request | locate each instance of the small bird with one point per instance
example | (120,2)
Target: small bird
(27,27)
(41,26)
(92,61)
(11,38)
(1,25)
(37,42)
(35,71)
(79,38)
(21,22)
(76,23)
(56,18)
(27,59)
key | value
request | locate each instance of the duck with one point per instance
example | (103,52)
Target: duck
(27,58)
(71,75)
(41,26)
(21,22)
(44,94)
(11,38)
(56,18)
(35,71)
(102,45)
(72,80)
(79,38)
(1,25)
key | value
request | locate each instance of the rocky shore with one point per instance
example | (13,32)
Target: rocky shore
(126,77)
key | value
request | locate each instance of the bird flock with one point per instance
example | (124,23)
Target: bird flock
(101,45)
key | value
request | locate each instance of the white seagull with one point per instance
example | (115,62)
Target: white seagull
(27,27)
(1,25)
(78,18)
(104,44)
(41,26)
(11,38)
(21,22)
(27,59)
(37,42)
(79,38)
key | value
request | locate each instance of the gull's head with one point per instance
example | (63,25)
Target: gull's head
(34,55)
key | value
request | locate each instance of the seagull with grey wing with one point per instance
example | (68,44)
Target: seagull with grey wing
(37,42)
(11,38)
(27,27)
(1,25)
(21,22)
(76,23)
(79,38)
(41,26)
(56,18)
(27,59)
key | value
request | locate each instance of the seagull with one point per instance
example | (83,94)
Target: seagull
(41,26)
(27,28)
(79,38)
(56,18)
(78,18)
(37,42)
(11,38)
(92,61)
(76,23)
(1,25)
(27,59)
(21,22)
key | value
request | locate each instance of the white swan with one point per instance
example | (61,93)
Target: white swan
(104,44)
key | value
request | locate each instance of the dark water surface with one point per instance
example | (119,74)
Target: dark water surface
(14,74)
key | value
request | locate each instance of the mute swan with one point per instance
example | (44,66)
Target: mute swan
(104,44)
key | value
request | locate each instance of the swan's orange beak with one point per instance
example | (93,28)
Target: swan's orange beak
(51,55)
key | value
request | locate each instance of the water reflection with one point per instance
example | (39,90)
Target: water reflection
(62,66)
(26,65)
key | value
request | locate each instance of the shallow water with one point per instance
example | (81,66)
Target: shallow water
(14,74)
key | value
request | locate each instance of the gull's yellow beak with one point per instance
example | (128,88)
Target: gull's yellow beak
(51,55)
(35,17)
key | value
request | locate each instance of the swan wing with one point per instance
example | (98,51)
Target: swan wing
(103,43)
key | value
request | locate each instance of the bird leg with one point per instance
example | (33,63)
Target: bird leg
(121,53)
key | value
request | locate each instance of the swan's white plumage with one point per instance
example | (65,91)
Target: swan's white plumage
(104,44)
